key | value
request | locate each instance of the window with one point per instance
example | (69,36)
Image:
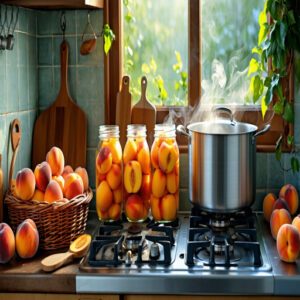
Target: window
(197,69)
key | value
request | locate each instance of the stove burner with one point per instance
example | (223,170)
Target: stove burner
(219,224)
(132,243)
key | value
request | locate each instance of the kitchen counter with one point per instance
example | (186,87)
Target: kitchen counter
(27,276)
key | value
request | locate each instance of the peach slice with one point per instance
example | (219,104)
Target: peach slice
(104,197)
(167,157)
(133,176)
(114,176)
(155,208)
(159,182)
(143,158)
(130,151)
(169,207)
(104,160)
(116,150)
(172,182)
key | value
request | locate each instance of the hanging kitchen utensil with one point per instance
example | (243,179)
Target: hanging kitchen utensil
(63,124)
(89,45)
(11,29)
(143,112)
(15,137)
(3,21)
(77,249)
(123,111)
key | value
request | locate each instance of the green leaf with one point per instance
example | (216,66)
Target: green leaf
(257,50)
(291,17)
(295,164)
(290,140)
(253,66)
(145,68)
(288,113)
(263,31)
(278,107)
(109,36)
(125,2)
(258,88)
(107,44)
(263,106)
(282,34)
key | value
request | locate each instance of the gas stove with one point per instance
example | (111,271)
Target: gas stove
(198,253)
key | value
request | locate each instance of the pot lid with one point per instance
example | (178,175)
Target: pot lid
(222,127)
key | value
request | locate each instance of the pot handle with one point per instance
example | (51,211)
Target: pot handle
(262,131)
(181,130)
(224,110)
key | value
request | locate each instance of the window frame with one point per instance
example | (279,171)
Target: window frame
(113,77)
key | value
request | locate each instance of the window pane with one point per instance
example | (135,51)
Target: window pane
(229,32)
(156,45)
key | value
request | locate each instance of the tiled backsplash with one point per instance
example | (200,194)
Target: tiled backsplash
(30,83)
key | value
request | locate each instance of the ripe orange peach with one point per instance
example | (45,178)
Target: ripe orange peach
(114,176)
(154,154)
(177,167)
(132,176)
(143,158)
(25,184)
(155,208)
(73,186)
(159,182)
(116,150)
(288,243)
(38,196)
(66,171)
(104,197)
(167,157)
(53,192)
(268,203)
(146,187)
(55,158)
(280,203)
(114,212)
(289,193)
(104,160)
(7,243)
(84,176)
(168,207)
(43,174)
(27,239)
(134,208)
(60,180)
(172,182)
(278,218)
(130,151)
(296,222)
(117,195)
(102,215)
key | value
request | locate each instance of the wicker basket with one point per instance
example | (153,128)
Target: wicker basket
(58,223)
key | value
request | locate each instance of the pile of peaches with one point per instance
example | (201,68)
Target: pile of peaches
(284,223)
(51,180)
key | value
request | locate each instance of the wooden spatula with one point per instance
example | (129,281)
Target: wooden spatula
(78,248)
(123,111)
(63,124)
(143,112)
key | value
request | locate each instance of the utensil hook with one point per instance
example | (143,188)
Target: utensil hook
(12,21)
(88,24)
(63,24)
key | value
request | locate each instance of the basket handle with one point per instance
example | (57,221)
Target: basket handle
(15,135)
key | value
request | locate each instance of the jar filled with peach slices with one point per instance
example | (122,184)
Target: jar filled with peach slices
(109,188)
(165,169)
(137,174)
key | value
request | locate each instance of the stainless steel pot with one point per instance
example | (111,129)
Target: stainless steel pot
(222,163)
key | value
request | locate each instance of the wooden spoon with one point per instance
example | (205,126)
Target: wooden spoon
(78,248)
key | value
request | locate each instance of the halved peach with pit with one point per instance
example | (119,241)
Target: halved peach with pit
(133,176)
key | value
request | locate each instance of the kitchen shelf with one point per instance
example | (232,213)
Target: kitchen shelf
(57,4)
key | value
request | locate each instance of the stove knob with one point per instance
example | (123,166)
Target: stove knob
(128,258)
(154,251)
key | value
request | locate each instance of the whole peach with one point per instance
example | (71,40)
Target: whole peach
(43,174)
(7,243)
(288,243)
(66,171)
(27,239)
(278,218)
(296,222)
(159,182)
(268,203)
(289,193)
(38,195)
(73,186)
(53,192)
(134,208)
(84,176)
(60,180)
(104,197)
(280,203)
(55,158)
(25,184)
(114,176)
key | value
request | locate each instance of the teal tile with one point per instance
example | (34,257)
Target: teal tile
(96,17)
(297,123)
(48,85)
(261,170)
(23,88)
(3,146)
(289,175)
(33,87)
(23,49)
(275,173)
(32,49)
(184,170)
(90,83)
(72,73)
(90,166)
(259,197)
(45,51)
(12,56)
(49,22)
(12,89)
(24,154)
(93,59)
(72,50)
(32,21)
(3,92)
(23,20)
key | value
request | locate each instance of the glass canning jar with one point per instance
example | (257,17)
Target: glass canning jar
(137,174)
(165,177)
(109,188)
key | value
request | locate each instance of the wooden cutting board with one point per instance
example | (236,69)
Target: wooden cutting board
(143,112)
(63,124)
(123,109)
